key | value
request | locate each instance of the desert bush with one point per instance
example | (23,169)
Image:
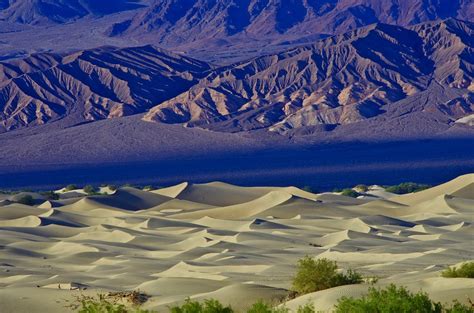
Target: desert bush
(391,299)
(112,302)
(350,193)
(405,188)
(307,308)
(8,192)
(395,299)
(460,308)
(112,187)
(263,307)
(361,188)
(101,305)
(309,189)
(25,199)
(89,189)
(466,270)
(50,195)
(372,279)
(71,187)
(314,275)
(208,306)
(350,277)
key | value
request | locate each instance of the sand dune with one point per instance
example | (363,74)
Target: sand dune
(243,210)
(463,185)
(231,243)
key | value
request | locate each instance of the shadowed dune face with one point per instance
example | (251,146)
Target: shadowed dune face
(230,243)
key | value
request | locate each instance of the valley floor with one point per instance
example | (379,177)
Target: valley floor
(129,150)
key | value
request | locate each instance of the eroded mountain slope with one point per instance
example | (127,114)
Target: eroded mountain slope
(92,84)
(336,81)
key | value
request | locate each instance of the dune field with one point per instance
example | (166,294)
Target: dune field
(234,244)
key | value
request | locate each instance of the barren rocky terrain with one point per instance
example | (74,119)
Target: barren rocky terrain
(220,31)
(378,71)
(338,81)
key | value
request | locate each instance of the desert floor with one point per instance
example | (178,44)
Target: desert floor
(230,243)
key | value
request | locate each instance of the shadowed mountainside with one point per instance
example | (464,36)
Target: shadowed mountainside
(60,11)
(337,81)
(91,84)
(201,23)
(218,31)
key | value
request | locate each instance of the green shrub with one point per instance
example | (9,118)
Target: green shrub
(71,187)
(460,308)
(405,188)
(307,308)
(262,307)
(395,299)
(391,299)
(113,302)
(466,270)
(208,306)
(112,187)
(362,188)
(314,275)
(50,195)
(350,193)
(149,187)
(309,189)
(89,189)
(351,277)
(101,305)
(25,199)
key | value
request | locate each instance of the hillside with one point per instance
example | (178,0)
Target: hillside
(91,84)
(60,11)
(375,75)
(253,24)
(337,81)
(221,31)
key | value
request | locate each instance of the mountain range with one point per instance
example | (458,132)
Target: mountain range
(380,70)
(177,22)
(340,80)
(93,84)
(218,31)
(60,11)
(208,87)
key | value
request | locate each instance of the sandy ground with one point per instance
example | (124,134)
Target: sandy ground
(230,243)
